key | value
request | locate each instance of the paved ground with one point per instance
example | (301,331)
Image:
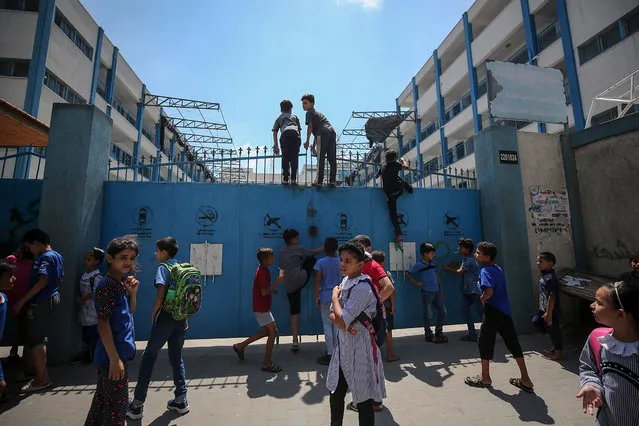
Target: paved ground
(425,387)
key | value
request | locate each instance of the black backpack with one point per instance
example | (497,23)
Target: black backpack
(377,325)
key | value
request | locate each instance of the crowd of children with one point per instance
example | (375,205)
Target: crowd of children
(351,286)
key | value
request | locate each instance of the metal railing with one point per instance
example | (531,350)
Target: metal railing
(31,162)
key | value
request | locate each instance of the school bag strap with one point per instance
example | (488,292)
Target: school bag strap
(426,267)
(595,344)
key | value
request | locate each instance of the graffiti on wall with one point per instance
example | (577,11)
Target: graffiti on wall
(620,252)
(549,211)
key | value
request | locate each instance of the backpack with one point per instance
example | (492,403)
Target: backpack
(377,325)
(183,297)
(595,344)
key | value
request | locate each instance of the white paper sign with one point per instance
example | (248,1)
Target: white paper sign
(402,256)
(207,258)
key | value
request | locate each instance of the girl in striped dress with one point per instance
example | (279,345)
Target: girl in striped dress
(609,362)
(356,363)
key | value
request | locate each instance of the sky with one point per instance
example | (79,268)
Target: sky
(248,55)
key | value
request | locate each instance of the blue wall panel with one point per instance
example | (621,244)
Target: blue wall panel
(246,217)
(19,211)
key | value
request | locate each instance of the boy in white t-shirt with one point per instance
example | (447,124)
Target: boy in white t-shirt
(87,314)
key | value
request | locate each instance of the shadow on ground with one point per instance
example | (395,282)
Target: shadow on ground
(218,367)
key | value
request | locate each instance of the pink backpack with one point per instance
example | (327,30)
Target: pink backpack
(595,345)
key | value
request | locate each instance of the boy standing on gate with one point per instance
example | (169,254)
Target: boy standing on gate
(164,329)
(323,132)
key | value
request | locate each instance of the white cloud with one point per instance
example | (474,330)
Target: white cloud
(365,4)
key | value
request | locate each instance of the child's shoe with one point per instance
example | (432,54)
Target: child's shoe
(178,407)
(440,338)
(428,337)
(324,359)
(135,412)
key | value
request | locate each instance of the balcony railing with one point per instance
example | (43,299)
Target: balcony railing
(545,38)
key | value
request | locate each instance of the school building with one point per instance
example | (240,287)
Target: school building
(594,43)
(53,51)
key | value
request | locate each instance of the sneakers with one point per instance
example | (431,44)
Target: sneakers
(135,412)
(178,407)
(428,337)
(324,360)
(377,406)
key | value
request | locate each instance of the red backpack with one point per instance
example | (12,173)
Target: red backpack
(595,344)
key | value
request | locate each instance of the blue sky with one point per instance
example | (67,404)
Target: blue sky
(249,55)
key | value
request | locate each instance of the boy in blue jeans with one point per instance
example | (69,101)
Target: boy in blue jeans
(165,329)
(327,277)
(424,274)
(469,271)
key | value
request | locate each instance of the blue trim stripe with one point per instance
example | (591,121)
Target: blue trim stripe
(441,111)
(532,43)
(110,90)
(418,129)
(96,66)
(400,138)
(571,65)
(139,121)
(472,72)
(38,62)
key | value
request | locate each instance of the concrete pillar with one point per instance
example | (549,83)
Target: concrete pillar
(503,216)
(71,206)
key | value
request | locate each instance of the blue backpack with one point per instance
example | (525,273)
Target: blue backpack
(377,325)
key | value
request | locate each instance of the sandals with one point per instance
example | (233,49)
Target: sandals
(273,368)
(476,382)
(240,353)
(518,384)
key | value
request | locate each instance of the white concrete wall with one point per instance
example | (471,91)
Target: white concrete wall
(608,68)
(17,31)
(542,165)
(47,99)
(67,62)
(504,24)
(13,89)
(588,17)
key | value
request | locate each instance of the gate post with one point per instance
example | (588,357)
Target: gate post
(503,215)
(71,206)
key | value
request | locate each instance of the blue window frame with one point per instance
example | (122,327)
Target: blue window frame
(67,28)
(609,36)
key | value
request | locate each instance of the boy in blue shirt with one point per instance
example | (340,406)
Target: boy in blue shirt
(327,276)
(469,271)
(165,329)
(497,319)
(42,299)
(548,318)
(424,274)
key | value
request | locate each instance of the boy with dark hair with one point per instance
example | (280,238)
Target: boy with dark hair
(48,271)
(298,262)
(633,274)
(425,270)
(393,187)
(262,290)
(327,276)
(290,139)
(548,319)
(324,134)
(164,329)
(469,271)
(497,319)
(389,305)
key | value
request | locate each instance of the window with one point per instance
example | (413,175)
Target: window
(69,30)
(14,67)
(24,5)
(62,89)
(604,116)
(609,37)
(588,50)
(631,22)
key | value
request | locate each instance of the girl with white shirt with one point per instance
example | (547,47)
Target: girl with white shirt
(356,363)
(609,362)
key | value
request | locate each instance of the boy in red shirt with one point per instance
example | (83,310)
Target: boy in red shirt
(262,289)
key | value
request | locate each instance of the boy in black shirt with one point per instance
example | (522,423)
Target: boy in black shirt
(394,187)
